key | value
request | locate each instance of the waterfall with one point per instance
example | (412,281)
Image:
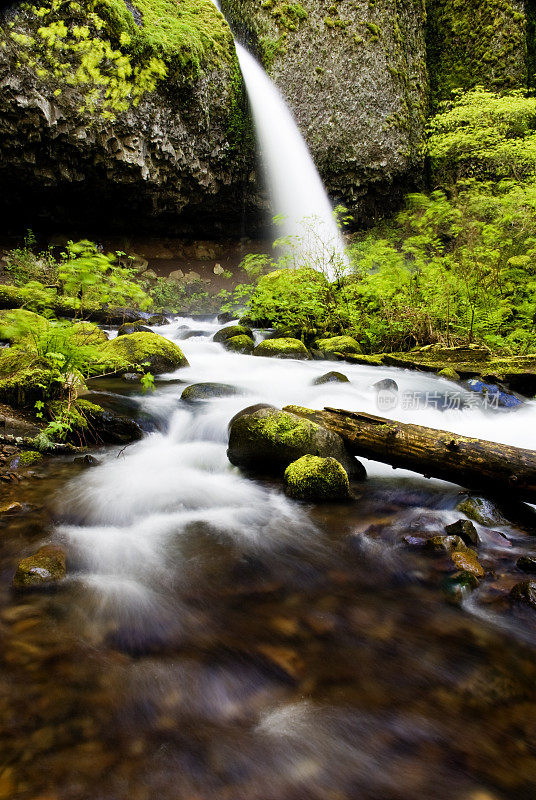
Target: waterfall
(296,191)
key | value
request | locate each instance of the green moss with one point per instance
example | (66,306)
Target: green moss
(149,350)
(449,373)
(28,457)
(338,346)
(239,344)
(282,429)
(231,331)
(47,565)
(15,324)
(282,348)
(472,42)
(99,49)
(316,478)
(25,377)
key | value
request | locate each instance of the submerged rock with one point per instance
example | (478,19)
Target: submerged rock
(524,593)
(150,350)
(465,530)
(230,332)
(239,344)
(10,508)
(493,395)
(527,564)
(282,348)
(331,377)
(268,440)
(338,347)
(459,585)
(207,391)
(46,566)
(318,479)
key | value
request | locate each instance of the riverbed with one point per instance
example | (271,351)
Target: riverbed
(215,640)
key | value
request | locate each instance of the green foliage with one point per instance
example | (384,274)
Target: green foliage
(94,277)
(484,135)
(23,264)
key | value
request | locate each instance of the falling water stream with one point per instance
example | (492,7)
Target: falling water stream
(217,641)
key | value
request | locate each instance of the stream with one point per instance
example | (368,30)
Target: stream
(215,640)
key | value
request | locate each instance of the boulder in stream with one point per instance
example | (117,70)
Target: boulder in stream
(527,564)
(268,440)
(524,593)
(337,347)
(282,348)
(132,327)
(239,344)
(151,350)
(465,529)
(317,479)
(208,391)
(46,566)
(230,332)
(330,377)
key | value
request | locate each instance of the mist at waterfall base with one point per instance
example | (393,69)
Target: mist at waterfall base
(216,640)
(297,194)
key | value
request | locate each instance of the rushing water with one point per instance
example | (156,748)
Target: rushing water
(216,641)
(296,190)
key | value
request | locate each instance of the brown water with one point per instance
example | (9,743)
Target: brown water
(310,656)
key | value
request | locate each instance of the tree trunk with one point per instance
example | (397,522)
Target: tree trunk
(473,463)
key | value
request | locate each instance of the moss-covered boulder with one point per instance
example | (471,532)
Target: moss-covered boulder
(45,567)
(268,440)
(282,348)
(480,510)
(230,332)
(26,377)
(449,374)
(208,391)
(239,344)
(316,479)
(132,327)
(336,347)
(330,377)
(150,350)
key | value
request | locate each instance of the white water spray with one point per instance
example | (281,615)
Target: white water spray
(297,192)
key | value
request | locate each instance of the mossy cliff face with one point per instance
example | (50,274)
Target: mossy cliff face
(115,113)
(354,75)
(476,42)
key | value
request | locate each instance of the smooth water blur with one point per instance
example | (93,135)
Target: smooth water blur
(216,641)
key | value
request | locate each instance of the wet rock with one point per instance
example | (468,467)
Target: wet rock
(331,377)
(230,332)
(282,348)
(336,347)
(268,440)
(44,567)
(466,560)
(150,350)
(87,461)
(480,510)
(465,529)
(239,344)
(118,316)
(157,319)
(207,391)
(459,585)
(527,564)
(132,327)
(10,508)
(524,593)
(96,425)
(132,377)
(192,334)
(446,543)
(493,395)
(317,479)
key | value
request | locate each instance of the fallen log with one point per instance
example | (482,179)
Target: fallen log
(489,467)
